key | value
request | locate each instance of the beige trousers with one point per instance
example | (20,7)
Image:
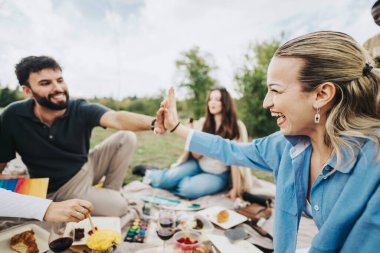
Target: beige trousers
(110,159)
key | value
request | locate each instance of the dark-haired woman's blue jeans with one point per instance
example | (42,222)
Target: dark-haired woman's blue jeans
(188,180)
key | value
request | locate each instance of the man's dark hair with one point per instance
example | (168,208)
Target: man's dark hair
(377,3)
(33,64)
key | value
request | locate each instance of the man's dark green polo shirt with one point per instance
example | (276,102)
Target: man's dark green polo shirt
(57,152)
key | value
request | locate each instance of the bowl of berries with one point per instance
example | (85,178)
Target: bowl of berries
(187,240)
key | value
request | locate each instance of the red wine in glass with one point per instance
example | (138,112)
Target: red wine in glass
(61,244)
(61,237)
(165,233)
(166,222)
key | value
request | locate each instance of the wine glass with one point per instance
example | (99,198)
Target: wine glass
(61,237)
(167,218)
(166,226)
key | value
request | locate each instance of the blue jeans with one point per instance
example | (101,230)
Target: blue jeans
(188,180)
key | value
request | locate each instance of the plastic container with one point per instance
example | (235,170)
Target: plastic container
(187,240)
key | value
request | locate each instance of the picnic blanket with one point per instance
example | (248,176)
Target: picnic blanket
(134,191)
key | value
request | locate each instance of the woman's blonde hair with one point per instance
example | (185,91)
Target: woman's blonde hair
(337,58)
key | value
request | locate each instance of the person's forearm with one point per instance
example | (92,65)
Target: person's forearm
(227,151)
(123,120)
(135,122)
(18,205)
(182,131)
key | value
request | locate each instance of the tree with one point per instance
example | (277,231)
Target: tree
(251,82)
(197,79)
(8,96)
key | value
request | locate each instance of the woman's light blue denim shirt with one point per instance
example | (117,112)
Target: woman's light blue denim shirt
(345,204)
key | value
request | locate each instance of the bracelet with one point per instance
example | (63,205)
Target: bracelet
(152,125)
(175,127)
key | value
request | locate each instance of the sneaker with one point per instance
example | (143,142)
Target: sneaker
(140,170)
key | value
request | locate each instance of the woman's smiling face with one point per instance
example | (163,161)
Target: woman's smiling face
(214,103)
(286,99)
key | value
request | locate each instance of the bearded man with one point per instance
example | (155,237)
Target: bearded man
(51,132)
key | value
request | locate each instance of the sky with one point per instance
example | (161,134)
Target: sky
(122,48)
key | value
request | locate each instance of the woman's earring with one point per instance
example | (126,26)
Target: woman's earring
(317,117)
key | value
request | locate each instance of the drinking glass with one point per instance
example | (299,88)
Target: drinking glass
(167,218)
(61,237)
(166,226)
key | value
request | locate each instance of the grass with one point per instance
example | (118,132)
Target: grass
(160,151)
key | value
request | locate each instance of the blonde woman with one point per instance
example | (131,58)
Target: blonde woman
(325,95)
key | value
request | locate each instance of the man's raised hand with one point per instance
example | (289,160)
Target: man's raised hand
(170,110)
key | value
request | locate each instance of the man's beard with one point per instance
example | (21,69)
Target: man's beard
(47,103)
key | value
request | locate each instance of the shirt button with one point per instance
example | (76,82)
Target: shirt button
(316,207)
(50,137)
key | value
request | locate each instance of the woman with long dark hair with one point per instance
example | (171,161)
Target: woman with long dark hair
(195,175)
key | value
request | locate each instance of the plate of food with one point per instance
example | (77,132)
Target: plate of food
(29,236)
(82,230)
(196,222)
(223,217)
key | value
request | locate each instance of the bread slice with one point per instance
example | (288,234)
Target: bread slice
(223,216)
(24,242)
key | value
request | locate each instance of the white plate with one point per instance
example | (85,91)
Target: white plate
(224,245)
(186,222)
(112,223)
(207,225)
(234,218)
(41,235)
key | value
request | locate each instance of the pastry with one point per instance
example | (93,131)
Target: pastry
(103,239)
(223,216)
(24,242)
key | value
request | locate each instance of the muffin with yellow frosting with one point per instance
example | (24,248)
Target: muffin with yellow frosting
(103,240)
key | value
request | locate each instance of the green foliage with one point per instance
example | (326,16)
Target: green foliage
(148,106)
(8,96)
(251,82)
(196,69)
(108,102)
(143,105)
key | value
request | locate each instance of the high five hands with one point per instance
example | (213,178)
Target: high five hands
(166,116)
